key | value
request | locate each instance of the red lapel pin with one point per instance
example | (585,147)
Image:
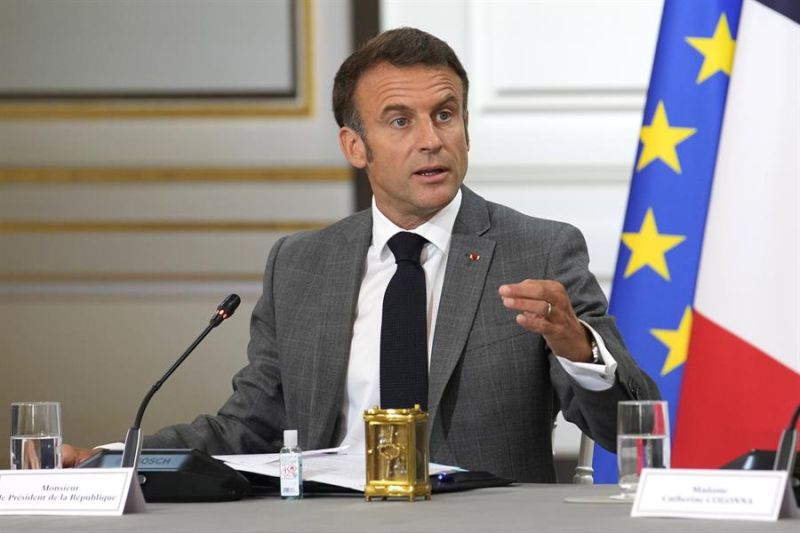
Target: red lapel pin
(474,256)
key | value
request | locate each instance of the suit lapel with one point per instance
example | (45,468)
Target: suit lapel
(465,275)
(343,273)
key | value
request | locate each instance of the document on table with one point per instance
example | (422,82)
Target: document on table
(324,466)
(260,459)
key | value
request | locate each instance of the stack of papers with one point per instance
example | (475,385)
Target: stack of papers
(333,466)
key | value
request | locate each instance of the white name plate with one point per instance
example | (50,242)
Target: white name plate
(716,494)
(91,491)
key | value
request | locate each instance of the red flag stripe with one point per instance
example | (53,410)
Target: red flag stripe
(726,383)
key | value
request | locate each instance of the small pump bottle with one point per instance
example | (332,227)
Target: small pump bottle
(291,467)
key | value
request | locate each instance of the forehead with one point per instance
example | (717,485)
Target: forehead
(385,84)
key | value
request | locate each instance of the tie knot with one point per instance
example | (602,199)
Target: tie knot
(406,246)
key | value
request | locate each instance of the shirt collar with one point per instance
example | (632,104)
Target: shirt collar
(438,230)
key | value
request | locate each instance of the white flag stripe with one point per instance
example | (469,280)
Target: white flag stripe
(749,280)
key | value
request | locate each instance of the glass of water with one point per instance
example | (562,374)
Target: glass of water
(35,435)
(642,441)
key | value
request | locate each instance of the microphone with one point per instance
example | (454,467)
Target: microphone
(225,309)
(133,439)
(785,454)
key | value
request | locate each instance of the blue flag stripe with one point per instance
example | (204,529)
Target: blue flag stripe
(685,103)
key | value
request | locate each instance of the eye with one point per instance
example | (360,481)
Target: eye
(444,116)
(399,122)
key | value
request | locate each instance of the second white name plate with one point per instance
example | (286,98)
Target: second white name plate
(716,494)
(95,491)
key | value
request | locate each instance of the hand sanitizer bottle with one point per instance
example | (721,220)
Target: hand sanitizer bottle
(291,467)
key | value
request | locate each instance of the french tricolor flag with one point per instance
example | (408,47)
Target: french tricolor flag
(707,285)
(742,377)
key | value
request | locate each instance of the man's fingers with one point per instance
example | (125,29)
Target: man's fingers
(72,456)
(545,308)
(541,308)
(543,305)
(535,289)
(539,297)
(530,288)
(533,321)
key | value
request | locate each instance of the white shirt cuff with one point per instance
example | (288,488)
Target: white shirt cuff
(589,375)
(111,446)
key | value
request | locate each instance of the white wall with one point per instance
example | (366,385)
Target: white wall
(557,89)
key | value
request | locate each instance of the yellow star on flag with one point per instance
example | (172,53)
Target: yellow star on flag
(677,340)
(660,139)
(648,247)
(717,50)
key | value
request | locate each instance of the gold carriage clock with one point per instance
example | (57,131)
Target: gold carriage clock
(397,453)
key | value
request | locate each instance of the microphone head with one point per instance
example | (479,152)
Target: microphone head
(226,308)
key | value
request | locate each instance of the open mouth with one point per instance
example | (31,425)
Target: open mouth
(430,171)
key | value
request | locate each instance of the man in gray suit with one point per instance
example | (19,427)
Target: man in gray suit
(517,325)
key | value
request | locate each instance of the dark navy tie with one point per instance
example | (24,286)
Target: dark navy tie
(404,328)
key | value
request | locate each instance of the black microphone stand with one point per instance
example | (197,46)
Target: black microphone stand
(133,439)
(785,454)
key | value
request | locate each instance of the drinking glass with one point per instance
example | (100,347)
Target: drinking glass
(35,435)
(642,441)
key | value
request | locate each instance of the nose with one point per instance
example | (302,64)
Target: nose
(429,137)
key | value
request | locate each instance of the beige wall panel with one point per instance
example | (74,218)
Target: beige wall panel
(100,355)
(283,200)
(52,47)
(92,318)
(161,253)
(217,139)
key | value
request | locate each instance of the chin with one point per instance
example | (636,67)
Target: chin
(437,200)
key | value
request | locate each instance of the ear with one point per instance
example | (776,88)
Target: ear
(352,146)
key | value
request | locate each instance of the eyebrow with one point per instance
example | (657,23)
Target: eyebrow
(394,108)
(405,109)
(451,99)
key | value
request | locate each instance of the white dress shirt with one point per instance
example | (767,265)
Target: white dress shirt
(363,371)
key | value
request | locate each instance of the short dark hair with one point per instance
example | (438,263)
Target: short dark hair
(401,47)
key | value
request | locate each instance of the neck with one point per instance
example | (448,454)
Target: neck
(407,222)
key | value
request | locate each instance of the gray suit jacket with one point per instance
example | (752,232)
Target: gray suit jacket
(493,387)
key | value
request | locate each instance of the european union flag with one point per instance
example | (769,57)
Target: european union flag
(662,236)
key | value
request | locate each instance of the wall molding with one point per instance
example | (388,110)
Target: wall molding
(563,100)
(38,278)
(156,226)
(548,87)
(542,174)
(171,174)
